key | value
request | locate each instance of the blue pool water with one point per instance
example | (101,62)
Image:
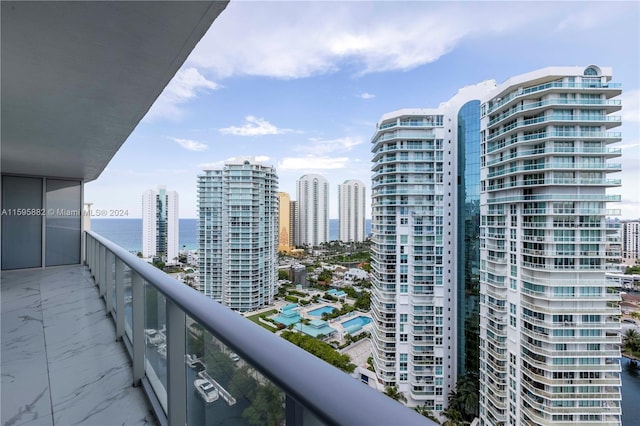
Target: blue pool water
(324,309)
(361,321)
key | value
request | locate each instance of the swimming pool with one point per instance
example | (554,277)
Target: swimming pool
(321,310)
(361,321)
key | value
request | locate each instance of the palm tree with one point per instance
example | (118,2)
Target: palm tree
(467,397)
(631,340)
(453,416)
(424,411)
(393,393)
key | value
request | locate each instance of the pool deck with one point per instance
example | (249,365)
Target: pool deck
(334,324)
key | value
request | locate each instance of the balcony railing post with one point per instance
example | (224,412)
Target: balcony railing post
(296,415)
(137,325)
(108,281)
(102,268)
(294,411)
(119,298)
(176,369)
(94,259)
(92,253)
(86,260)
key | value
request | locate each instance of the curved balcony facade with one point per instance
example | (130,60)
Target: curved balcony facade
(545,247)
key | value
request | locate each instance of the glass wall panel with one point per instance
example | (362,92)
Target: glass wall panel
(21,222)
(155,328)
(128,307)
(223,388)
(468,253)
(63,222)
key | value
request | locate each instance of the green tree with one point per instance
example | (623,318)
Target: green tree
(283,274)
(195,343)
(453,416)
(242,384)
(393,393)
(363,301)
(267,408)
(631,342)
(426,412)
(467,397)
(633,270)
(320,349)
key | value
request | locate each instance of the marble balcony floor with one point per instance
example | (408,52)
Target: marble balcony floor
(59,359)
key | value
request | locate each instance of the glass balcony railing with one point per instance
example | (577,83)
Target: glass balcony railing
(201,363)
(554,85)
(616,103)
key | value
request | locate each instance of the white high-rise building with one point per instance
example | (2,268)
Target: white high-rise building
(313,210)
(238,234)
(549,325)
(160,224)
(425,221)
(351,211)
(631,240)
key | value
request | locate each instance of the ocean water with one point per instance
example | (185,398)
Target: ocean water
(127,233)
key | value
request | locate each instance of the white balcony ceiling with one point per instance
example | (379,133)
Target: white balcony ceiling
(77,77)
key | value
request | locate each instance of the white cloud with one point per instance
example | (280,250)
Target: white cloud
(366,95)
(295,40)
(185,86)
(190,145)
(311,162)
(319,146)
(254,127)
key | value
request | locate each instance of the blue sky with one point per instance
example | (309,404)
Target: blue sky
(300,85)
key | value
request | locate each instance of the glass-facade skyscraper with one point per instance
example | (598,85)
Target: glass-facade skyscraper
(160,224)
(238,234)
(468,244)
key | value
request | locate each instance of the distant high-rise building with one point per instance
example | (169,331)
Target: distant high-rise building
(313,210)
(351,211)
(160,224)
(293,214)
(285,223)
(238,234)
(425,227)
(549,324)
(631,239)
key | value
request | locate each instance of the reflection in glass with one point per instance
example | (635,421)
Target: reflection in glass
(21,233)
(128,313)
(155,328)
(63,222)
(469,238)
(223,389)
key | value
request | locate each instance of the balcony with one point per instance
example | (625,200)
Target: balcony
(107,343)
(61,362)
(64,349)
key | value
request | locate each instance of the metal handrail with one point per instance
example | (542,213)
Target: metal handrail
(331,395)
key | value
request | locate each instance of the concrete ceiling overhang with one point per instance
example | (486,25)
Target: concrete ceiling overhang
(78,76)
